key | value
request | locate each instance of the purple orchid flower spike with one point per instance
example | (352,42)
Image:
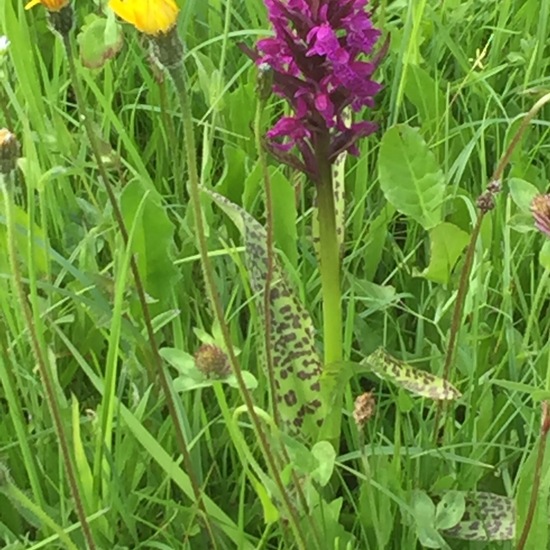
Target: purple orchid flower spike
(322,60)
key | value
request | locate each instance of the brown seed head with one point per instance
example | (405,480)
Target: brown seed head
(212,361)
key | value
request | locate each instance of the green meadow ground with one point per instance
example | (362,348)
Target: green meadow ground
(462,72)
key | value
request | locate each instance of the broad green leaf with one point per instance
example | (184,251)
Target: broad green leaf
(487,517)
(410,177)
(99,40)
(538,533)
(414,380)
(522,193)
(153,240)
(296,364)
(424,517)
(325,455)
(447,242)
(450,510)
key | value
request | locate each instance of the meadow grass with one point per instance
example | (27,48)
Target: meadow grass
(464,74)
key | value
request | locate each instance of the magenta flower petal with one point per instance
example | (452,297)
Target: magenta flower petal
(320,57)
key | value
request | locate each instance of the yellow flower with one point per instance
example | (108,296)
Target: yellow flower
(151,17)
(51,5)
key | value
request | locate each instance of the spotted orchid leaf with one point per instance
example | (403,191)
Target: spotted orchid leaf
(414,380)
(487,517)
(296,364)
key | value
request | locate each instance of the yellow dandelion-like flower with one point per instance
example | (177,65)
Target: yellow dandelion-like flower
(152,17)
(51,5)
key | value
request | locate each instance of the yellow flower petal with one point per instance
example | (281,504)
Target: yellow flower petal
(31,4)
(148,16)
(51,5)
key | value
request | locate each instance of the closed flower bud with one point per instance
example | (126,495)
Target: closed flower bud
(212,361)
(9,151)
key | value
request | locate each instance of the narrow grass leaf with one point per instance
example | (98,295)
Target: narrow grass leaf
(414,380)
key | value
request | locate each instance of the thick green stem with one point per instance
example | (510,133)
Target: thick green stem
(330,259)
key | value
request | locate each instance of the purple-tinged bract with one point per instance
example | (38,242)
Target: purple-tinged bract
(321,56)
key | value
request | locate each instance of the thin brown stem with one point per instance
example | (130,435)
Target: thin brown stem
(545,425)
(173,409)
(43,368)
(270,252)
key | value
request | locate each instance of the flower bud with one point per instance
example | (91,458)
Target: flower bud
(9,152)
(212,361)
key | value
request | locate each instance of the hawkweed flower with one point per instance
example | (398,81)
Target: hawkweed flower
(157,19)
(540,208)
(9,152)
(322,59)
(60,14)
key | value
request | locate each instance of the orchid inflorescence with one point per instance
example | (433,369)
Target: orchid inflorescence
(320,59)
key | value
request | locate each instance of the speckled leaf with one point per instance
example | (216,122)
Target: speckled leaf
(414,380)
(296,363)
(487,517)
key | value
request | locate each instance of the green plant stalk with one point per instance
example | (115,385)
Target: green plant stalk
(330,277)
(43,368)
(269,248)
(178,77)
(157,360)
(456,321)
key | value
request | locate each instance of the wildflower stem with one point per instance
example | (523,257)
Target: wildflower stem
(173,408)
(178,76)
(43,367)
(330,259)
